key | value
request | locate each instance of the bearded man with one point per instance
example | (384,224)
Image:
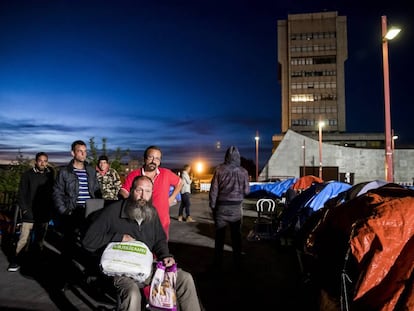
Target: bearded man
(132,219)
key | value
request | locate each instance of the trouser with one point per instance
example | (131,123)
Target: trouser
(131,295)
(39,230)
(185,204)
(235,233)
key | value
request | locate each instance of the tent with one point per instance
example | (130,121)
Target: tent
(305,182)
(369,241)
(277,189)
(330,190)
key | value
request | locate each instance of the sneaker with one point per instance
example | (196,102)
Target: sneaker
(180,218)
(189,219)
(13,267)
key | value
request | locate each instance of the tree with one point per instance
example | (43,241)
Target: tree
(114,159)
(248,165)
(10,176)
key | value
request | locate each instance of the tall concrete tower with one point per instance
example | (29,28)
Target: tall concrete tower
(312,49)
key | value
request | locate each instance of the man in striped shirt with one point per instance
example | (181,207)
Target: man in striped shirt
(75,183)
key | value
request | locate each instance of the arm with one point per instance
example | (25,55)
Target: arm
(99,233)
(124,192)
(247,184)
(213,191)
(24,197)
(117,181)
(59,193)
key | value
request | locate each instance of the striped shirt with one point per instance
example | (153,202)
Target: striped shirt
(83,194)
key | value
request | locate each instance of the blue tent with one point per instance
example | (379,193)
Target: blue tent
(330,190)
(274,188)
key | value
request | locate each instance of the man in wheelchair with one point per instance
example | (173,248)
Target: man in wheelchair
(136,219)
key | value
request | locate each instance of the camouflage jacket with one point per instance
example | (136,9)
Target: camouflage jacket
(110,184)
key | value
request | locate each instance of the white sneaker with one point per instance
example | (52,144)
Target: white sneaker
(13,267)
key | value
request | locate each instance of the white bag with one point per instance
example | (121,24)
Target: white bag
(163,288)
(133,259)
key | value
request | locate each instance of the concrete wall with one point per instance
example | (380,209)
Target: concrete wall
(366,164)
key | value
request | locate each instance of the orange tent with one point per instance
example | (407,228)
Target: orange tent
(378,229)
(305,182)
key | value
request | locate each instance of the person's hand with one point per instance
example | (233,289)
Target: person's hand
(172,201)
(168,261)
(67,212)
(127,238)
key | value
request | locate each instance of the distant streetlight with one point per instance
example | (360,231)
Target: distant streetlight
(321,124)
(387,35)
(257,154)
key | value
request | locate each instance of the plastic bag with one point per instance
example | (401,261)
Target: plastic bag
(163,288)
(133,259)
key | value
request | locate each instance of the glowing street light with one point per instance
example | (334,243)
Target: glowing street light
(321,124)
(387,35)
(199,167)
(257,154)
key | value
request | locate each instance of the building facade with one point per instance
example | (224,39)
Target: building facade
(298,155)
(312,50)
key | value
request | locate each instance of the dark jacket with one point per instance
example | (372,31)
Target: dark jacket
(66,188)
(112,223)
(35,195)
(230,181)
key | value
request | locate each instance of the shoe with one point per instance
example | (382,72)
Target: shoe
(180,218)
(189,219)
(13,267)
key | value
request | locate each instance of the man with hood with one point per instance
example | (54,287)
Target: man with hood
(229,186)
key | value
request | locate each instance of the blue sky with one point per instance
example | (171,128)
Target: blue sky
(183,75)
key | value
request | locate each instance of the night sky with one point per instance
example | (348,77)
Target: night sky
(183,75)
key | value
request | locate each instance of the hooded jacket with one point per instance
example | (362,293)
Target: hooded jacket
(230,181)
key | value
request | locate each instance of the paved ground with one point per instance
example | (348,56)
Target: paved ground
(270,278)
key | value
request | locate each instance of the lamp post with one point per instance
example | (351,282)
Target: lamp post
(257,154)
(304,158)
(321,124)
(394,137)
(387,35)
(199,170)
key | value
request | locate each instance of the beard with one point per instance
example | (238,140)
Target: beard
(140,210)
(150,167)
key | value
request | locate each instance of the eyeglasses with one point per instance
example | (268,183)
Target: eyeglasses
(152,158)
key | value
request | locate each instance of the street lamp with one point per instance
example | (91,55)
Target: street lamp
(387,35)
(257,154)
(394,137)
(321,124)
(199,169)
(304,158)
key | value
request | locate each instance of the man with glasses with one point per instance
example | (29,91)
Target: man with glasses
(163,180)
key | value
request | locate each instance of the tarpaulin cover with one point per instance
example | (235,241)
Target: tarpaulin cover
(275,188)
(378,227)
(305,182)
(384,247)
(372,185)
(330,190)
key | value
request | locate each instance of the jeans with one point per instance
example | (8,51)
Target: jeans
(185,204)
(40,230)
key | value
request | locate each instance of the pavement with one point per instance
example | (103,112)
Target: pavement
(271,276)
